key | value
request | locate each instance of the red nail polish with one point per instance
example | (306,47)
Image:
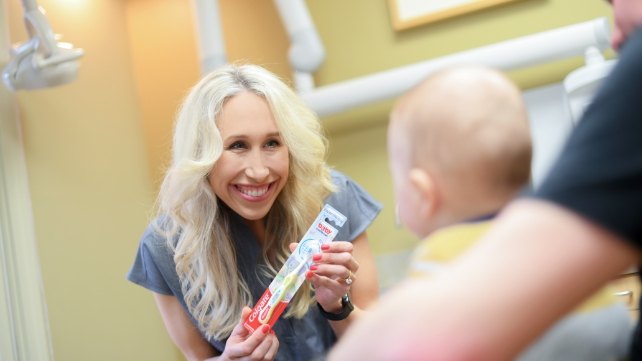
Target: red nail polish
(314,267)
(308,275)
(325,247)
(316,257)
(266,328)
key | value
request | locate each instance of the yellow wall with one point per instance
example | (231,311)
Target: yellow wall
(166,62)
(96,148)
(359,40)
(91,190)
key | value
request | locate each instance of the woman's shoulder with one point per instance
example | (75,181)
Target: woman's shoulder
(349,190)
(354,202)
(337,176)
(154,237)
(342,180)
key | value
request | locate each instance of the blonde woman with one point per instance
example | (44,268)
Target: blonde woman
(248,176)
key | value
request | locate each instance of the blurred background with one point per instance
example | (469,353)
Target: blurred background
(94,150)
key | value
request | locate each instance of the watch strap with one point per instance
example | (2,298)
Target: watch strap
(346,309)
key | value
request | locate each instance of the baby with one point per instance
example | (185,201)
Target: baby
(460,149)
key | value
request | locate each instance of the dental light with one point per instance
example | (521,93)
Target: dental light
(306,53)
(41,61)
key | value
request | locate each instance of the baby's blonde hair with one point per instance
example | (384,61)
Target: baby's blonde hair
(469,125)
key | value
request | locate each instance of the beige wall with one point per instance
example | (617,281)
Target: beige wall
(166,62)
(359,40)
(91,190)
(96,148)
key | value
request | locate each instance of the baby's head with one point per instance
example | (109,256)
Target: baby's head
(459,147)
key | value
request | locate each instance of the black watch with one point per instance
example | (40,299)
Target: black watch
(346,309)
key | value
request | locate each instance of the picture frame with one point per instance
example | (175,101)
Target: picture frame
(410,13)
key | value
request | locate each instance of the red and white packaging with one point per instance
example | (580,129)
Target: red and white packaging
(276,297)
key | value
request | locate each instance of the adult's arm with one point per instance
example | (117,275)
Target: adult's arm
(365,289)
(535,265)
(329,279)
(241,345)
(181,329)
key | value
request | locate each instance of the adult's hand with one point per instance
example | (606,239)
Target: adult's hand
(261,345)
(332,273)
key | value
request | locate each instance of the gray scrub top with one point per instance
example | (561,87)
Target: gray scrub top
(304,339)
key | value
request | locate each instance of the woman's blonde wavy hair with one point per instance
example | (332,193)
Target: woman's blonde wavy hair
(196,226)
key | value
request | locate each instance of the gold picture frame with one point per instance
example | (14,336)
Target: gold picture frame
(410,13)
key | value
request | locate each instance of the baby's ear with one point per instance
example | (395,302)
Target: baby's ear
(427,191)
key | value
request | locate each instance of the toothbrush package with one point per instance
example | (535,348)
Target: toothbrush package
(276,297)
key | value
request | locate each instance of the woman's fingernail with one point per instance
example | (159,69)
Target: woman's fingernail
(309,275)
(314,267)
(325,247)
(266,328)
(316,257)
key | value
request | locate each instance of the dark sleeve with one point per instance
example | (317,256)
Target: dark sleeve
(151,269)
(355,203)
(599,172)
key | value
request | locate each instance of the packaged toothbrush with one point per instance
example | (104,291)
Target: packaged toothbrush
(290,277)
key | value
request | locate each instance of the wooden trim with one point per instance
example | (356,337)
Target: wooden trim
(424,17)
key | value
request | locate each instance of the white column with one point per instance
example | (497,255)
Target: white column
(24,327)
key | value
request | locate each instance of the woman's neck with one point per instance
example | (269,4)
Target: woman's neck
(257,227)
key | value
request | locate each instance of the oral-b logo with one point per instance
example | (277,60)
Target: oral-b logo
(259,306)
(324,229)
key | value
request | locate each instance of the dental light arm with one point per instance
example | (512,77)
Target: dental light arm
(306,53)
(41,61)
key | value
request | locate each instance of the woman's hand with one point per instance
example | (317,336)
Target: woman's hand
(262,344)
(331,274)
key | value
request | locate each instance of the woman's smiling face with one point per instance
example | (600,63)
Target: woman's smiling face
(254,165)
